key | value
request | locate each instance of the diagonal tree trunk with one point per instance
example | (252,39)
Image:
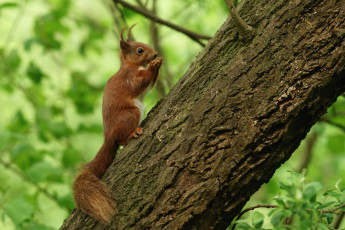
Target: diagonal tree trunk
(238,113)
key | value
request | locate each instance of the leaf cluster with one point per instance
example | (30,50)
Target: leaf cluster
(300,205)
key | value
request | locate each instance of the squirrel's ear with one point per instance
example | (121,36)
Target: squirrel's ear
(124,46)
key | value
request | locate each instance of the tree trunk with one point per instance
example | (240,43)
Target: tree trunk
(238,113)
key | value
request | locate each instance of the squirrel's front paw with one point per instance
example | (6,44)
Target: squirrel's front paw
(156,63)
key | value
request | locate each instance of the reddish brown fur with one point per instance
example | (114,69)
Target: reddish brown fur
(121,118)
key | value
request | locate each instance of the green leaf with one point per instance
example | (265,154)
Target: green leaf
(4,138)
(24,155)
(19,123)
(43,118)
(273,211)
(82,95)
(286,213)
(42,134)
(342,189)
(280,202)
(34,73)
(304,172)
(56,110)
(46,28)
(277,218)
(329,217)
(337,195)
(325,205)
(61,7)
(336,144)
(291,202)
(71,157)
(257,220)
(19,210)
(280,228)
(326,193)
(43,114)
(67,201)
(59,129)
(321,227)
(92,128)
(285,187)
(12,60)
(8,5)
(311,189)
(29,42)
(44,171)
(243,226)
(128,13)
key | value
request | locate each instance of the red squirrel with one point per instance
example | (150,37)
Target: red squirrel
(122,111)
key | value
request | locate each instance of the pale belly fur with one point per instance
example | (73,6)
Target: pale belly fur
(140,104)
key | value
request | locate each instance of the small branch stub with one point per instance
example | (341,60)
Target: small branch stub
(244,29)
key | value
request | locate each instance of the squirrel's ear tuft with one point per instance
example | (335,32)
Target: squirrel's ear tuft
(125,47)
(129,38)
(121,32)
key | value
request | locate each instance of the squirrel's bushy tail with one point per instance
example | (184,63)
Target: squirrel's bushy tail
(91,195)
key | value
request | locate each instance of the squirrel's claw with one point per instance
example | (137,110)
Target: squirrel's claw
(138,131)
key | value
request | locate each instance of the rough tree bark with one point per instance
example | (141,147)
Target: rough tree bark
(238,113)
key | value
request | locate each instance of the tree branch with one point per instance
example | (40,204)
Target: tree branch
(143,11)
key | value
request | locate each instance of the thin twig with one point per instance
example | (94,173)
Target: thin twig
(308,151)
(113,10)
(157,47)
(245,30)
(15,24)
(235,3)
(141,4)
(332,210)
(340,113)
(328,121)
(339,220)
(250,209)
(143,11)
(18,85)
(155,38)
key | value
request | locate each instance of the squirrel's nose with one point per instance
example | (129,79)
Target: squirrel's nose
(155,55)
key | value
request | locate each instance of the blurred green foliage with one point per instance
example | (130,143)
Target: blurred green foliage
(55,58)
(299,205)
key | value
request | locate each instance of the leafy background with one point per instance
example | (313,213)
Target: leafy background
(55,58)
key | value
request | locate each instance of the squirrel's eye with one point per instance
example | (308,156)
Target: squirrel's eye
(140,51)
